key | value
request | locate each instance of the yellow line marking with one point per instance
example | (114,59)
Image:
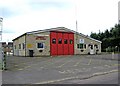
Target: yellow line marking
(99,73)
(53,63)
(107,65)
(64,64)
(52,81)
(37,64)
(15,65)
(63,72)
(116,65)
(89,61)
(27,67)
(77,63)
(26,61)
(20,69)
(76,77)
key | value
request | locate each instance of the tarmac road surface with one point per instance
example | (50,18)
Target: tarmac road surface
(48,70)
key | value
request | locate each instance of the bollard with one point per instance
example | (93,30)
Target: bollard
(4,62)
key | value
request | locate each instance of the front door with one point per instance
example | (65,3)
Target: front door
(92,49)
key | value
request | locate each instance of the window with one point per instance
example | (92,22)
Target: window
(71,41)
(91,46)
(85,46)
(19,46)
(80,46)
(96,45)
(40,45)
(54,41)
(15,46)
(60,41)
(23,46)
(65,41)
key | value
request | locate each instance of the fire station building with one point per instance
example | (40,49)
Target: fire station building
(55,41)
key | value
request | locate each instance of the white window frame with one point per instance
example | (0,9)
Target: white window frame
(40,48)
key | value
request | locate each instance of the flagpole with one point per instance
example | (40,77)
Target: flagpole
(76,22)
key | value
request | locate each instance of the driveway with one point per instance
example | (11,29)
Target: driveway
(50,70)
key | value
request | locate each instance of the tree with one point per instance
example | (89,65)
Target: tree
(110,39)
(94,35)
(107,34)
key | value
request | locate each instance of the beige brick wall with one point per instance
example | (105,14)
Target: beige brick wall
(87,41)
(19,51)
(31,44)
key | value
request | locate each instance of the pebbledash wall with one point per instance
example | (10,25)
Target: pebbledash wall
(55,41)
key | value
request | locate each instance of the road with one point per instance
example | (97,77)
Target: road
(110,78)
(48,70)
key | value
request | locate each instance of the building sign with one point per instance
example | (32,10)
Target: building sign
(29,45)
(40,37)
(81,41)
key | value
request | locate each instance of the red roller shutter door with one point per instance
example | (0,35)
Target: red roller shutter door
(71,44)
(65,45)
(53,43)
(60,43)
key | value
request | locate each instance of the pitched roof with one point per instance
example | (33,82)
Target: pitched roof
(63,29)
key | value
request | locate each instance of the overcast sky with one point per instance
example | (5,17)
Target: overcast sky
(20,16)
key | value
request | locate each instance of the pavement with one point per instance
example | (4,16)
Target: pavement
(58,69)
